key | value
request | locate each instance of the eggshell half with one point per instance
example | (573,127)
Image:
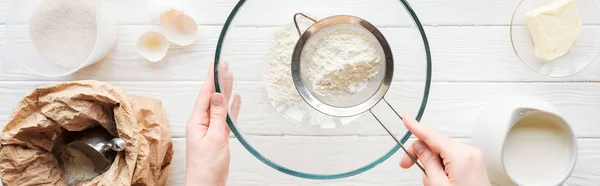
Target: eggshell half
(181,30)
(153,46)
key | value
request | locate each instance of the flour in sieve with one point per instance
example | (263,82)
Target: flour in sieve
(64,31)
(341,61)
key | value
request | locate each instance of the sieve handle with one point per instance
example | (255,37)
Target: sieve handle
(394,137)
(296,21)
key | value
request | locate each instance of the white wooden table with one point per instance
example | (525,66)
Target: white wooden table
(472,59)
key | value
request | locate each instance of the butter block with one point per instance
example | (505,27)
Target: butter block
(554,28)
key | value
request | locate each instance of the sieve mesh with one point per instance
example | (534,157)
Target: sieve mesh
(344,99)
(346,104)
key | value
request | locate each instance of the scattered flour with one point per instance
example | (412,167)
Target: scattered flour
(64,31)
(277,76)
(340,61)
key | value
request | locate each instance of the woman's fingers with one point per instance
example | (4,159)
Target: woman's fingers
(218,115)
(426,149)
(406,162)
(200,112)
(431,162)
(210,108)
(235,107)
(225,79)
(208,88)
(226,82)
(224,64)
(436,141)
(234,110)
(227,85)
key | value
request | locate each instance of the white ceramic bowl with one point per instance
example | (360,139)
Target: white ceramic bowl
(19,49)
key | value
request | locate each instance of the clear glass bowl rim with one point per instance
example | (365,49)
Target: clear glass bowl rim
(307,175)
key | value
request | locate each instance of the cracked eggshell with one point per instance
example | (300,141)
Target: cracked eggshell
(157,8)
(168,15)
(153,46)
(181,29)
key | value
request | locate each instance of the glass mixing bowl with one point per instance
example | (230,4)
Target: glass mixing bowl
(296,139)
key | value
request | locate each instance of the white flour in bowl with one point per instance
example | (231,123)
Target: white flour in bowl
(342,61)
(64,31)
(277,76)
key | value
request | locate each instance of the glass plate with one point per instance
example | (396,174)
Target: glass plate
(581,54)
(300,141)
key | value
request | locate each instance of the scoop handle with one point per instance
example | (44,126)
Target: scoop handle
(116,144)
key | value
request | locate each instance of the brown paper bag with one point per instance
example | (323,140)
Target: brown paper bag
(39,119)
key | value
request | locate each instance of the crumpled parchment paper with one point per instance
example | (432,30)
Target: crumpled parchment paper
(42,116)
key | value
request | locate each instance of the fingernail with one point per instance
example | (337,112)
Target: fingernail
(238,98)
(216,100)
(419,148)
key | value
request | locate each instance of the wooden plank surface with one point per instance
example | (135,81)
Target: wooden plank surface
(270,12)
(474,64)
(464,54)
(452,107)
(215,11)
(247,170)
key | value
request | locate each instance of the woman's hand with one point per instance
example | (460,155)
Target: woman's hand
(445,161)
(207,133)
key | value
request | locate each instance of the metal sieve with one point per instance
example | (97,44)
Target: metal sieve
(346,105)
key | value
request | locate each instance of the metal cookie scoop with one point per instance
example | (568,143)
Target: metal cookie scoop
(98,145)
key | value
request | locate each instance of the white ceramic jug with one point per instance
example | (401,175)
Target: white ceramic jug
(523,133)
